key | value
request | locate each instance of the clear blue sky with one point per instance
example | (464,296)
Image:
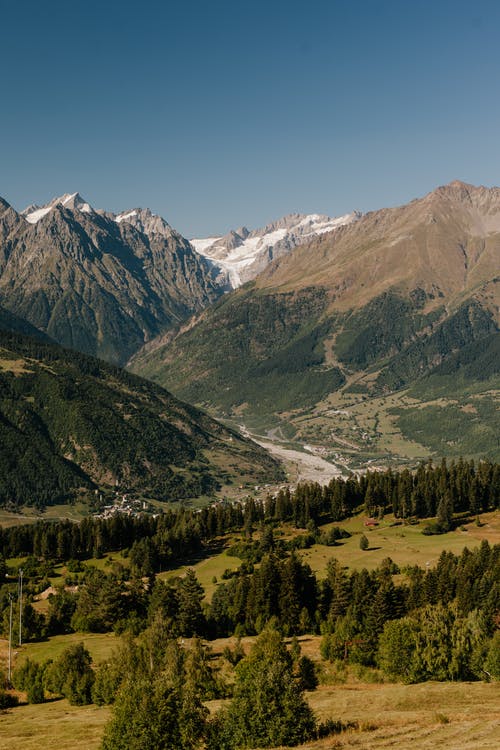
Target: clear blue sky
(221,113)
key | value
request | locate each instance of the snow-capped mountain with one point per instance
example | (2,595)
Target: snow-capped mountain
(235,258)
(96,281)
(141,219)
(242,254)
(74,201)
(144,221)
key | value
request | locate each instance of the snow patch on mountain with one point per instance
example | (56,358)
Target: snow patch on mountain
(74,201)
(125,216)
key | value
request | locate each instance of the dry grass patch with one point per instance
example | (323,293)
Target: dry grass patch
(52,725)
(455,716)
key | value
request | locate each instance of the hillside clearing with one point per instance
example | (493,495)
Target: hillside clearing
(452,716)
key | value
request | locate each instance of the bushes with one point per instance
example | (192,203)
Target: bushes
(7,700)
(30,677)
(435,643)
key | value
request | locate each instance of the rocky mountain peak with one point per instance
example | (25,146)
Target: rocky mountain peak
(73,201)
(145,221)
(97,282)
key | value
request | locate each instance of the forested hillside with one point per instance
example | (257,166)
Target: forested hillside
(70,423)
(389,623)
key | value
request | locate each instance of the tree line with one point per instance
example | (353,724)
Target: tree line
(432,491)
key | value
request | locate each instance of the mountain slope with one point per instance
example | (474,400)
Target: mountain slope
(97,284)
(241,255)
(445,244)
(69,422)
(397,294)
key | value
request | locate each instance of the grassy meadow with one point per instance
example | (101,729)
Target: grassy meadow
(451,716)
(100,646)
(405,545)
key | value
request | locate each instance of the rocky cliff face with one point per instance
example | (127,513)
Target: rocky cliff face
(95,282)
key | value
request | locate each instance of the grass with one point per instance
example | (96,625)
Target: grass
(73,512)
(107,561)
(100,646)
(406,717)
(51,725)
(406,545)
(447,716)
(411,716)
(206,569)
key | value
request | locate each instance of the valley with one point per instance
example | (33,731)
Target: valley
(297,472)
(250,376)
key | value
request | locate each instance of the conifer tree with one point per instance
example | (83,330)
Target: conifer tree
(268,708)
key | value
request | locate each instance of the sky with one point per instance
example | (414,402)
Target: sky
(228,113)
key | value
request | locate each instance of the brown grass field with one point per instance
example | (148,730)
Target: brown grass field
(451,716)
(52,725)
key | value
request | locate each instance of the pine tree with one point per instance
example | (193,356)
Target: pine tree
(363,542)
(190,619)
(268,708)
(445,512)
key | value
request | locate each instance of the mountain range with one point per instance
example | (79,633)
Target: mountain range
(95,282)
(294,325)
(106,284)
(398,299)
(242,254)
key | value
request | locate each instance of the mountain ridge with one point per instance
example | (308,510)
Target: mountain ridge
(242,254)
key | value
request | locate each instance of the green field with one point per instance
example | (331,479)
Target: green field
(405,545)
(100,646)
(206,569)
(73,512)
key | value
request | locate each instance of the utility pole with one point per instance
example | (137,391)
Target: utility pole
(11,599)
(20,606)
